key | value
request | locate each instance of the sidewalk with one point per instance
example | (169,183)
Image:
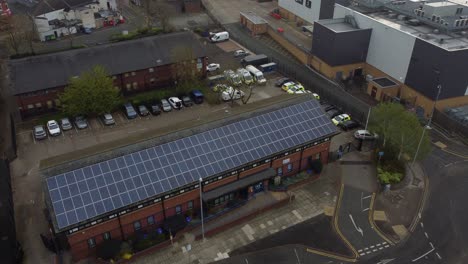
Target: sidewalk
(402,204)
(309,201)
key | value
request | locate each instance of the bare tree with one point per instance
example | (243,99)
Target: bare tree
(248,92)
(186,74)
(30,33)
(14,28)
(157,9)
(69,26)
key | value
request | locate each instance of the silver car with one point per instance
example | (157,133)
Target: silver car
(107,119)
(166,107)
(39,132)
(81,122)
(65,124)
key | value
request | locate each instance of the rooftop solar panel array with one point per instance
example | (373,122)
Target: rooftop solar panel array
(100,188)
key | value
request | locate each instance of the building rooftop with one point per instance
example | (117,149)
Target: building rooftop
(338,25)
(384,82)
(254,18)
(86,190)
(448,41)
(55,69)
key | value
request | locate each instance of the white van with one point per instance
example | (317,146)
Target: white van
(258,75)
(245,75)
(231,93)
(220,36)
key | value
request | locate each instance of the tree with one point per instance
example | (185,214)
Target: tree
(399,130)
(248,92)
(185,71)
(21,31)
(158,9)
(93,92)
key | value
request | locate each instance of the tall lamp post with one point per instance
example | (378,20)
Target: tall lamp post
(201,210)
(428,125)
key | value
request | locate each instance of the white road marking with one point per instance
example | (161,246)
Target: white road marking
(380,248)
(362,254)
(425,254)
(425,233)
(378,244)
(385,261)
(374,250)
(296,213)
(367,209)
(366,248)
(297,256)
(422,225)
(432,246)
(372,246)
(385,242)
(359,251)
(367,197)
(438,255)
(386,246)
(355,226)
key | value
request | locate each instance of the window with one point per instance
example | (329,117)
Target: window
(38,105)
(279,171)
(231,196)
(30,106)
(129,86)
(290,167)
(190,204)
(133,73)
(49,104)
(57,102)
(136,225)
(152,80)
(308,3)
(126,74)
(91,243)
(106,236)
(150,220)
(317,156)
(178,209)
(459,10)
(135,85)
(116,88)
(221,199)
(217,201)
(114,77)
(151,69)
(300,1)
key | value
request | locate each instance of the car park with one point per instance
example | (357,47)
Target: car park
(240,53)
(130,111)
(65,124)
(282,81)
(155,108)
(175,102)
(186,101)
(81,122)
(333,112)
(340,119)
(143,110)
(53,128)
(365,134)
(166,107)
(213,67)
(107,119)
(39,132)
(347,125)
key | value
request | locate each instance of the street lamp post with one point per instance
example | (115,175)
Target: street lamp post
(201,210)
(368,115)
(429,122)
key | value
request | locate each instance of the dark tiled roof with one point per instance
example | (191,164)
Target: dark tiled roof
(55,69)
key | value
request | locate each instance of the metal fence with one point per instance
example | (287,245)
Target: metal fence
(312,80)
(449,124)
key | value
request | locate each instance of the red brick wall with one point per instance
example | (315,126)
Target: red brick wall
(171,203)
(254,170)
(192,6)
(216,184)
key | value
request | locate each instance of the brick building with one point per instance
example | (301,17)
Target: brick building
(135,65)
(155,185)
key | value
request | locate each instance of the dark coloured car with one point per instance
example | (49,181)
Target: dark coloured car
(81,122)
(334,112)
(347,125)
(197,96)
(155,108)
(282,81)
(186,101)
(143,110)
(39,132)
(130,111)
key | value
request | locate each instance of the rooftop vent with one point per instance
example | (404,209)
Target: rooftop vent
(435,31)
(392,15)
(401,17)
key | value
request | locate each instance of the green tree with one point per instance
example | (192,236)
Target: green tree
(93,92)
(399,130)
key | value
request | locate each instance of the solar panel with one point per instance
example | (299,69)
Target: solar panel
(100,188)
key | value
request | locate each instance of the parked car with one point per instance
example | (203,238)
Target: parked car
(39,132)
(81,122)
(166,107)
(213,67)
(155,108)
(196,96)
(143,110)
(66,124)
(365,134)
(316,96)
(53,128)
(107,119)
(347,125)
(187,101)
(340,119)
(333,112)
(295,90)
(130,111)
(282,81)
(175,102)
(287,85)
(240,53)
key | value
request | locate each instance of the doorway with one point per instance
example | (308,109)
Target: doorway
(358,72)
